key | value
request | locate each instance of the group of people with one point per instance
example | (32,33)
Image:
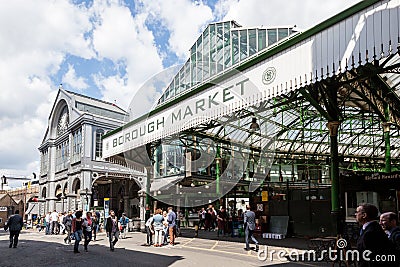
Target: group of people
(381,239)
(163,225)
(78,227)
(211,219)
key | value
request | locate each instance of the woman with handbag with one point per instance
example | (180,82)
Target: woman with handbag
(77,225)
(87,229)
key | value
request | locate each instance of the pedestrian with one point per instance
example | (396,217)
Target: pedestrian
(112,229)
(372,237)
(87,230)
(388,221)
(14,225)
(171,218)
(95,225)
(61,220)
(54,223)
(124,221)
(202,217)
(67,221)
(149,231)
(47,223)
(77,224)
(158,223)
(221,220)
(249,219)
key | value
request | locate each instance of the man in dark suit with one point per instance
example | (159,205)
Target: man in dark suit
(14,225)
(249,227)
(388,221)
(372,237)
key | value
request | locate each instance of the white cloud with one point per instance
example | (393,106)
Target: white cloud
(127,41)
(183,18)
(304,14)
(74,81)
(36,36)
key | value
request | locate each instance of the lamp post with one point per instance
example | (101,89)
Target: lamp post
(87,200)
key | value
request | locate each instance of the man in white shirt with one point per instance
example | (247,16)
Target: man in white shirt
(54,222)
(149,231)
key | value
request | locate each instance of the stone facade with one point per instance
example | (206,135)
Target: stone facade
(73,174)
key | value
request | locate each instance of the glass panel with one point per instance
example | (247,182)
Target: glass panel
(206,51)
(227,45)
(252,42)
(193,65)
(198,59)
(243,45)
(262,39)
(235,47)
(283,33)
(219,57)
(213,50)
(272,36)
(187,75)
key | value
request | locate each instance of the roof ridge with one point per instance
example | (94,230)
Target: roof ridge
(95,99)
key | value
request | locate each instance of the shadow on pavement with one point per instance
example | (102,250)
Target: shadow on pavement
(40,253)
(291,242)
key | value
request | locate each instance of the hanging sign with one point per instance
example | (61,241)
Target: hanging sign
(264,195)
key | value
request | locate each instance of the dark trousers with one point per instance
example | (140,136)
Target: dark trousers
(95,227)
(149,235)
(78,237)
(113,239)
(14,238)
(68,237)
(88,238)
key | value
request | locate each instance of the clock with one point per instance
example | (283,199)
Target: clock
(63,121)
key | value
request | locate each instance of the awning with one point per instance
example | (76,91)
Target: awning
(33,208)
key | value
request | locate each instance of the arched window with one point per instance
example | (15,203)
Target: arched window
(63,121)
(99,144)
(44,193)
(58,192)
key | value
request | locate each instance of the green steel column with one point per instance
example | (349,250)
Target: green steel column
(217,159)
(333,127)
(386,135)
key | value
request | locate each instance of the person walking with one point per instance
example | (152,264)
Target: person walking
(77,226)
(249,227)
(47,222)
(124,221)
(171,218)
(54,223)
(95,225)
(202,217)
(87,230)
(112,229)
(372,237)
(67,221)
(14,225)
(149,231)
(221,220)
(158,220)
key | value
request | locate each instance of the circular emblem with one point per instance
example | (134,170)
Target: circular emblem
(269,75)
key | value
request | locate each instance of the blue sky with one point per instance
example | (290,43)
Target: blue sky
(107,50)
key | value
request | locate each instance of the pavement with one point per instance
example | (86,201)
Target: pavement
(37,249)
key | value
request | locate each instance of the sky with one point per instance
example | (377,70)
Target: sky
(107,50)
